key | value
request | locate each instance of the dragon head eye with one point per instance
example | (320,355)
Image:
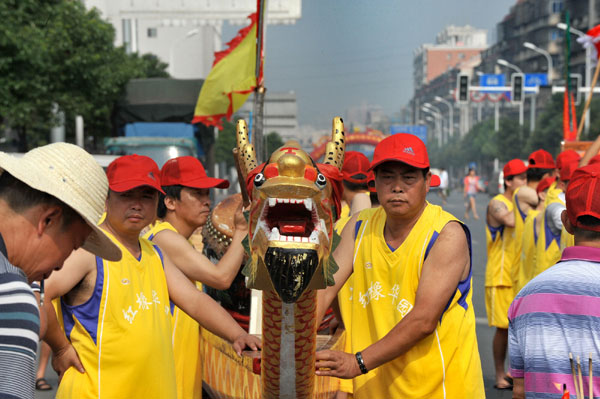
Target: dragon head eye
(259,179)
(321,181)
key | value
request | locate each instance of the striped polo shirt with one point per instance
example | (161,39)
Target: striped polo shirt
(19,331)
(557,313)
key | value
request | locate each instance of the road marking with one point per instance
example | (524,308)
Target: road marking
(481,320)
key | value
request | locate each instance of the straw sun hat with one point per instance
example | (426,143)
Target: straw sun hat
(72,175)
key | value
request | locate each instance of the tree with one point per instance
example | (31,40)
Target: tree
(55,53)
(273,141)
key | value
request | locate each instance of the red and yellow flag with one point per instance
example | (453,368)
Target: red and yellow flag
(231,79)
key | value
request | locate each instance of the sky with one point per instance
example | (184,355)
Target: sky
(343,53)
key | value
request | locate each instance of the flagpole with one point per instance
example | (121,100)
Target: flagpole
(259,91)
(588,101)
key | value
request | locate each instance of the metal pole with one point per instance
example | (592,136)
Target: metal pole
(588,80)
(521,113)
(497,116)
(532,113)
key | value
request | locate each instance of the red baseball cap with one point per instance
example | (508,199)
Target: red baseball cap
(544,184)
(583,195)
(514,167)
(567,170)
(355,164)
(371,181)
(435,181)
(188,172)
(541,159)
(565,157)
(595,159)
(401,147)
(131,171)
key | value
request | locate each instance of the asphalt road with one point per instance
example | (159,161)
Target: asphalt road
(485,334)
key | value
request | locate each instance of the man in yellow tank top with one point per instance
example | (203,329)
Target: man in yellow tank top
(530,236)
(117,315)
(501,261)
(413,325)
(183,208)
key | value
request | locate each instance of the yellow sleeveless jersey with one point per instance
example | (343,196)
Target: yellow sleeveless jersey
(444,364)
(528,253)
(552,195)
(185,338)
(566,239)
(123,332)
(520,217)
(548,245)
(345,292)
(500,251)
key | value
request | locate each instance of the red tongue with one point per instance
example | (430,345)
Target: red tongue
(292,226)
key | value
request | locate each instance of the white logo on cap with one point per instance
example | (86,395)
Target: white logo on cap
(409,150)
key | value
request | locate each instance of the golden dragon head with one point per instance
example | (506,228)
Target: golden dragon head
(294,205)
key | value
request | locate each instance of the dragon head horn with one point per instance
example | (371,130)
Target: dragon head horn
(335,149)
(245,150)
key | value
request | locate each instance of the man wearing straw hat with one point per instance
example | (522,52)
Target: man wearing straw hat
(50,202)
(117,315)
(556,313)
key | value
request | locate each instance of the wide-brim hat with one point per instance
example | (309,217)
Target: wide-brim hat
(70,174)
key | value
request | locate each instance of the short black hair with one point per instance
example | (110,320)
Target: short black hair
(170,191)
(374,198)
(587,221)
(536,174)
(355,186)
(20,197)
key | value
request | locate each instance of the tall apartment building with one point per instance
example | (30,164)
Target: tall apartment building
(184,33)
(455,45)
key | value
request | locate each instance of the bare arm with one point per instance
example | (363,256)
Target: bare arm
(202,308)
(499,215)
(343,256)
(359,202)
(75,269)
(197,266)
(446,265)
(591,152)
(527,198)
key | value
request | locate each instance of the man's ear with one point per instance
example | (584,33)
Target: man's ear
(48,217)
(566,222)
(169,203)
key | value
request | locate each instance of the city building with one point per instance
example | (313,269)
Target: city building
(184,33)
(280,114)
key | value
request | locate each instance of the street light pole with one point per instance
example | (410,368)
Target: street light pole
(191,33)
(438,114)
(450,113)
(437,121)
(588,75)
(546,54)
(507,64)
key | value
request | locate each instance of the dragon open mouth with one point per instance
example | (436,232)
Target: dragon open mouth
(291,220)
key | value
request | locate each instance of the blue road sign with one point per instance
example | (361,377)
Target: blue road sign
(492,80)
(535,79)
(418,130)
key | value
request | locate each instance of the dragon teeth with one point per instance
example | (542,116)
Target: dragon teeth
(314,237)
(272,202)
(308,203)
(274,236)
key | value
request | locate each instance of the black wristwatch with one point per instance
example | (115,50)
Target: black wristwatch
(361,363)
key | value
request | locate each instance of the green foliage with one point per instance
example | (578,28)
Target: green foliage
(56,52)
(225,144)
(273,141)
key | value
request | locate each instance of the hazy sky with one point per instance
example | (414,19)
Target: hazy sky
(342,53)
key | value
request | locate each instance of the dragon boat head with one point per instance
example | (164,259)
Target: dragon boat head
(294,204)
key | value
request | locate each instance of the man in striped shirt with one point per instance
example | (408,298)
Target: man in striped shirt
(47,209)
(556,313)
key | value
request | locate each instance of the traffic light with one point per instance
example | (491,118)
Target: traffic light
(575,87)
(517,88)
(463,88)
